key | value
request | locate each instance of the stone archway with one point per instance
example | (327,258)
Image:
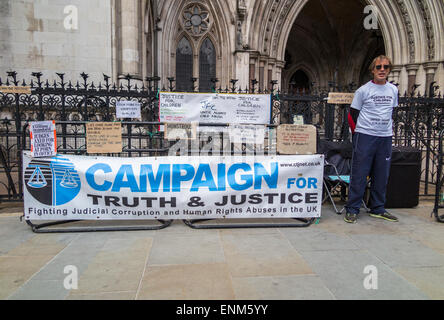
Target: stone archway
(392,34)
(329,36)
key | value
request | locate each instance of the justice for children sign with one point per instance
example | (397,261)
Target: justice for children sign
(82,188)
(214,107)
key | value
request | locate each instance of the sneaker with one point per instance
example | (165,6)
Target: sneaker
(350,217)
(385,215)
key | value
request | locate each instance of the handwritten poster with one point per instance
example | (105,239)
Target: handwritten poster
(43,138)
(177,130)
(214,108)
(103,137)
(340,97)
(128,109)
(296,139)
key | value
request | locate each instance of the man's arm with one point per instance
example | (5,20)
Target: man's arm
(353,115)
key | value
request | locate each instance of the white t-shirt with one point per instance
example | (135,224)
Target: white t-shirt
(376,103)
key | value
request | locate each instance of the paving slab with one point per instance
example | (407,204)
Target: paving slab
(261,255)
(297,287)
(187,282)
(343,272)
(399,250)
(323,261)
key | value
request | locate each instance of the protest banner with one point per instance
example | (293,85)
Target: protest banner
(91,188)
(215,108)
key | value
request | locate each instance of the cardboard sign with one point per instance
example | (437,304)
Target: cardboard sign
(128,109)
(183,131)
(15,89)
(103,137)
(296,139)
(43,139)
(340,97)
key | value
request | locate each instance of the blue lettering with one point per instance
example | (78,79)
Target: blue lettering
(312,183)
(301,183)
(260,172)
(204,169)
(248,178)
(119,183)
(162,172)
(221,182)
(178,177)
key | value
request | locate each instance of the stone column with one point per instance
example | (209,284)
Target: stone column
(129,37)
(412,68)
(430,69)
(394,74)
(242,60)
(278,73)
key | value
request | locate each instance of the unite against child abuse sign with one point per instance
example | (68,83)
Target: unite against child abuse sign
(91,188)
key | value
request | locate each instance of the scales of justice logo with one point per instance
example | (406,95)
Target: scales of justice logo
(52,182)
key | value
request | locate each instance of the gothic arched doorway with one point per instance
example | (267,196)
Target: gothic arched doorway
(299,83)
(329,36)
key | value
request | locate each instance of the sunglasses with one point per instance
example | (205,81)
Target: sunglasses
(379,66)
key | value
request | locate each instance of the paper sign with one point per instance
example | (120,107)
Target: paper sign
(43,139)
(103,137)
(128,109)
(183,131)
(298,119)
(214,108)
(296,139)
(241,133)
(15,89)
(340,97)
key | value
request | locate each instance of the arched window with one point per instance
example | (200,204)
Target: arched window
(184,65)
(207,65)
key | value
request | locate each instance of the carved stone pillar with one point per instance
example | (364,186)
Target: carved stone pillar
(394,74)
(129,37)
(430,69)
(412,69)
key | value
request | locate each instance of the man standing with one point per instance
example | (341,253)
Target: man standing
(370,119)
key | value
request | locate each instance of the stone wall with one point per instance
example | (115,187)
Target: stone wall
(45,36)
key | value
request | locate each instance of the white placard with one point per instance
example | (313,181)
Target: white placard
(214,108)
(247,133)
(70,187)
(43,138)
(128,109)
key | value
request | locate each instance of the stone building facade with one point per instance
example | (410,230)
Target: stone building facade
(298,43)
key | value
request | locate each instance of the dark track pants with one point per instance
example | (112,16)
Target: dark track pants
(371,157)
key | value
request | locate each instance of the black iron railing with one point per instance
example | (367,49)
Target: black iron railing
(417,121)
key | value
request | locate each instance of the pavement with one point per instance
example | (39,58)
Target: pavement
(329,260)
